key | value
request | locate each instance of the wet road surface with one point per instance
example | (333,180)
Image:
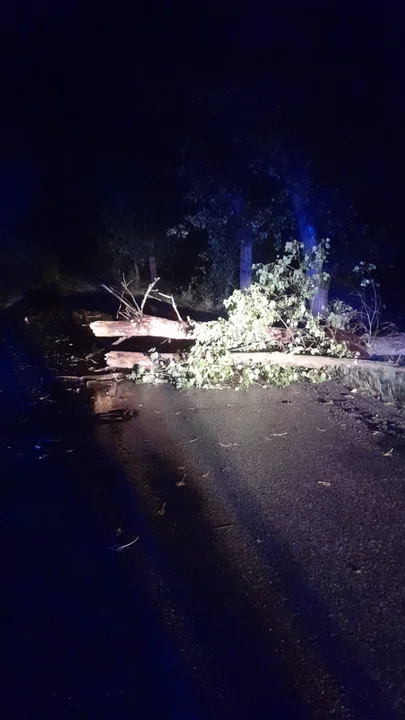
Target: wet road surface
(267,577)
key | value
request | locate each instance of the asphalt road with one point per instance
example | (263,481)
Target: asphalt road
(267,577)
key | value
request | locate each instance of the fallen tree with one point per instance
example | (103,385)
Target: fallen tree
(122,360)
(383,380)
(272,315)
(150,326)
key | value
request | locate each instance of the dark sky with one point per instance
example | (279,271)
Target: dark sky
(101,96)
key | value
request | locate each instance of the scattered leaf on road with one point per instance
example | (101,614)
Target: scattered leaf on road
(388,453)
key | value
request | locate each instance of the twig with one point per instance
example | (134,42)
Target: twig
(90,356)
(174,306)
(148,291)
(180,319)
(126,285)
(122,547)
(131,312)
(89,378)
(227,526)
(119,341)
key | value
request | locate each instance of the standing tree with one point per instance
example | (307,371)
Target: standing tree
(312,212)
(130,242)
(282,166)
(234,223)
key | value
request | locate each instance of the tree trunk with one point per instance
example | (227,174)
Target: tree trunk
(149,326)
(127,360)
(308,238)
(319,301)
(137,274)
(245,263)
(152,268)
(305,227)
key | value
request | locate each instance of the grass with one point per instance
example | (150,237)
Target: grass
(384,381)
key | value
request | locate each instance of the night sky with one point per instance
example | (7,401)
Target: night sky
(98,100)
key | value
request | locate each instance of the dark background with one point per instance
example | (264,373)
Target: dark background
(99,99)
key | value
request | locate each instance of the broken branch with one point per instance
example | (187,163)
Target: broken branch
(148,291)
(127,360)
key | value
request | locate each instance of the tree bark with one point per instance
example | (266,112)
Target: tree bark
(127,360)
(289,360)
(308,238)
(149,326)
(319,301)
(152,268)
(137,274)
(245,263)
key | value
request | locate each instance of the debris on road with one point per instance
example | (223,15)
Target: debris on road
(119,548)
